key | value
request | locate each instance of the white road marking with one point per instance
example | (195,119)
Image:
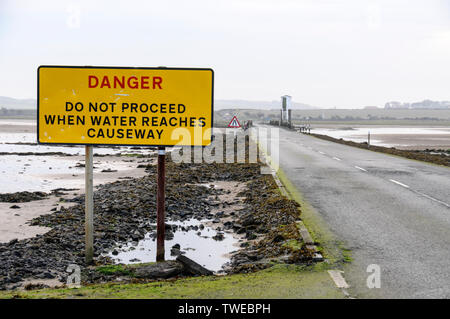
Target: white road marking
(421,194)
(339,281)
(361,168)
(433,199)
(322,153)
(398,183)
(337,159)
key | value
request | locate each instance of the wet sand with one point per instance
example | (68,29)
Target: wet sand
(401,137)
(14,222)
(8,128)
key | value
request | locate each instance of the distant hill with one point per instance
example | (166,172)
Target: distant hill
(17,104)
(26,104)
(260,105)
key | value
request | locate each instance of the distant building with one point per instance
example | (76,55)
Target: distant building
(425,104)
(285,107)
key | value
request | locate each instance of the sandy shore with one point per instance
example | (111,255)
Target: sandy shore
(14,221)
(9,128)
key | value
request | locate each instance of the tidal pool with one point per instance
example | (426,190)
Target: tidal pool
(401,137)
(198,245)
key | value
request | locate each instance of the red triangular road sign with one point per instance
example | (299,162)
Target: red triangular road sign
(234,123)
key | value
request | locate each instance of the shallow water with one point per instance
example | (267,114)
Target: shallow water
(6,138)
(17,122)
(45,173)
(204,250)
(391,136)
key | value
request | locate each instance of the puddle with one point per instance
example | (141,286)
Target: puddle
(202,248)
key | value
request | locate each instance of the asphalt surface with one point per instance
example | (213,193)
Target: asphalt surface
(390,211)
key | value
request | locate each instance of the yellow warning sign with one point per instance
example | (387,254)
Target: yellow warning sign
(125,106)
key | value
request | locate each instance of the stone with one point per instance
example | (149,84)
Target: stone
(192,267)
(165,269)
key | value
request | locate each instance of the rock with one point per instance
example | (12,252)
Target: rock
(176,252)
(252,256)
(250,236)
(14,207)
(237,226)
(192,267)
(134,260)
(22,197)
(165,269)
(250,221)
(218,237)
(115,252)
(278,238)
(109,170)
(169,235)
(228,224)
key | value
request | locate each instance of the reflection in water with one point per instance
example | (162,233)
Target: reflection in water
(196,244)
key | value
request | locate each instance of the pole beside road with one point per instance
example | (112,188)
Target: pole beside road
(160,200)
(89,205)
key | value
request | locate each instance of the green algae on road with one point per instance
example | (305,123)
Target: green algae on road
(326,241)
(279,281)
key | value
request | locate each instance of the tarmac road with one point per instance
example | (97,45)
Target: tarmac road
(390,211)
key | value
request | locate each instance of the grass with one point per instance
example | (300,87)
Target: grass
(330,247)
(293,244)
(280,281)
(114,270)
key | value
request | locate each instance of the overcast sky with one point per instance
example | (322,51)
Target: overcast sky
(327,53)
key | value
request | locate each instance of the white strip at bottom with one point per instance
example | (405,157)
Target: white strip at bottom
(338,279)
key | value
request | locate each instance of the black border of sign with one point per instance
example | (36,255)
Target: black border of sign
(125,67)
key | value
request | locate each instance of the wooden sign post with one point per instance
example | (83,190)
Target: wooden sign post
(160,203)
(89,204)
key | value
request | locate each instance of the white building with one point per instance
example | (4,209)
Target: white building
(285,107)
